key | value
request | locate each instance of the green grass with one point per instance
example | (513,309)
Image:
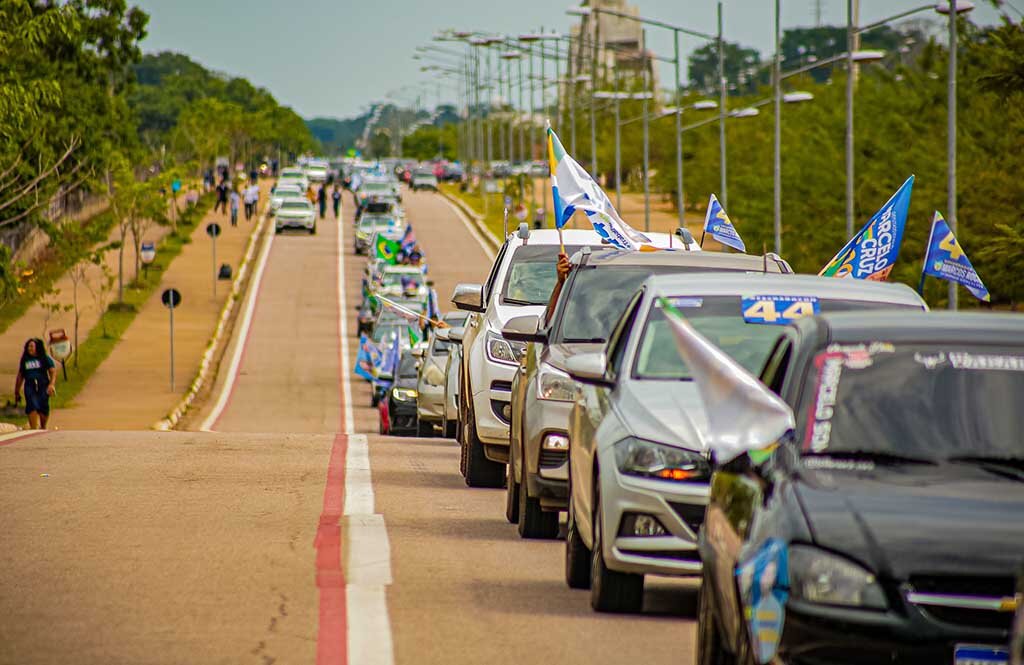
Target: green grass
(494,207)
(48,270)
(107,332)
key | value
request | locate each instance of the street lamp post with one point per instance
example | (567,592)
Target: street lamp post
(777,167)
(646,124)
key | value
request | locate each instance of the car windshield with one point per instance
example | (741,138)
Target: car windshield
(403,279)
(598,297)
(387,333)
(531,274)
(925,401)
(721,320)
(369,187)
(287,190)
(407,367)
(296,204)
(441,347)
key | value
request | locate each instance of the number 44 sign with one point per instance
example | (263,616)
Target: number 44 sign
(778,310)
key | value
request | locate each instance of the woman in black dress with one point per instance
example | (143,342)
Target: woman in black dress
(38,374)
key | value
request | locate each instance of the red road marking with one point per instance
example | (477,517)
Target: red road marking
(332,635)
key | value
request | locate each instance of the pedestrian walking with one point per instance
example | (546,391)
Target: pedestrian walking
(311,195)
(37,373)
(222,197)
(235,198)
(251,199)
(336,199)
(321,199)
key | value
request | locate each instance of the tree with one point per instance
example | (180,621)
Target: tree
(429,142)
(741,67)
(131,202)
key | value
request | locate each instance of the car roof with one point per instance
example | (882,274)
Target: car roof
(611,256)
(583,237)
(751,283)
(904,326)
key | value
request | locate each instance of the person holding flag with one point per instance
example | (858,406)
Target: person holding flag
(718,224)
(872,252)
(572,189)
(944,258)
(408,239)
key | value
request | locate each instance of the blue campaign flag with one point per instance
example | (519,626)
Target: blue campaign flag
(364,359)
(389,363)
(718,224)
(409,239)
(872,252)
(945,259)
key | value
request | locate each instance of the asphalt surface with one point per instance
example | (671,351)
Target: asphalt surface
(233,546)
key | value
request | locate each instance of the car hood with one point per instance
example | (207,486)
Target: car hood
(669,412)
(954,518)
(556,354)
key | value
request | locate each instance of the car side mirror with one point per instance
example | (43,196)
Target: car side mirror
(524,329)
(468,297)
(442,333)
(588,368)
(456,334)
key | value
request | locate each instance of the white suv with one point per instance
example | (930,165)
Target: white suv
(520,284)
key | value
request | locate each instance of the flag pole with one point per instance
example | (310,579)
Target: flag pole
(505,223)
(927,251)
(702,232)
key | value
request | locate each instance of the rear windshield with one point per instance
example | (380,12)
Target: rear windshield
(531,274)
(597,297)
(923,401)
(407,368)
(721,320)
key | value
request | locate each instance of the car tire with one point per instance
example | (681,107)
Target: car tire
(534,521)
(374,399)
(610,590)
(451,428)
(424,428)
(480,471)
(312,231)
(511,495)
(577,555)
(709,640)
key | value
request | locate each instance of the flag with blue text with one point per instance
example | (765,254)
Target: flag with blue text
(872,252)
(946,260)
(572,189)
(718,224)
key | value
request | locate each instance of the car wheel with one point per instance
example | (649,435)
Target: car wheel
(534,521)
(424,428)
(511,495)
(709,641)
(451,428)
(577,555)
(374,398)
(312,231)
(611,591)
(480,471)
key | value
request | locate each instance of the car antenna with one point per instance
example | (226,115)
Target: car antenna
(764,256)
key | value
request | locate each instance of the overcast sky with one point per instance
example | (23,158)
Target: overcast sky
(332,58)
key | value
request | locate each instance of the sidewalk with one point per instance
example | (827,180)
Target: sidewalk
(34,322)
(131,389)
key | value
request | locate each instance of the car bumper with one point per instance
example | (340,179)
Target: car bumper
(679,507)
(431,404)
(547,471)
(402,414)
(814,634)
(492,405)
(293,223)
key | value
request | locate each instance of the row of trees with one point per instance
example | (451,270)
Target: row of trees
(82,110)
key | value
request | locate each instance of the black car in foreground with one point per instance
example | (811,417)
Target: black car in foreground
(402,395)
(887,526)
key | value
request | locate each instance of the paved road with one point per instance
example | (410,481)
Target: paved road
(265,541)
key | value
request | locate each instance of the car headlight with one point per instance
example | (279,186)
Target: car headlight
(817,576)
(637,457)
(501,350)
(554,384)
(362,235)
(404,394)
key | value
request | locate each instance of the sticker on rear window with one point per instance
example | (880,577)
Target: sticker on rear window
(778,310)
(971,361)
(681,302)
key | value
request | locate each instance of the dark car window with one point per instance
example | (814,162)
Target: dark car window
(440,347)
(531,274)
(620,334)
(914,400)
(597,298)
(407,367)
(774,374)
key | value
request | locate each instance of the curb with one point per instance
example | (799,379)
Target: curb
(475,218)
(206,364)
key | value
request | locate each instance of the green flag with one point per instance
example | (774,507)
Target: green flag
(388,249)
(414,337)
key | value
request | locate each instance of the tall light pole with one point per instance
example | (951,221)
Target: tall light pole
(646,124)
(851,32)
(723,194)
(777,85)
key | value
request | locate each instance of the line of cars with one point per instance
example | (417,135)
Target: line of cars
(884,524)
(289,204)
